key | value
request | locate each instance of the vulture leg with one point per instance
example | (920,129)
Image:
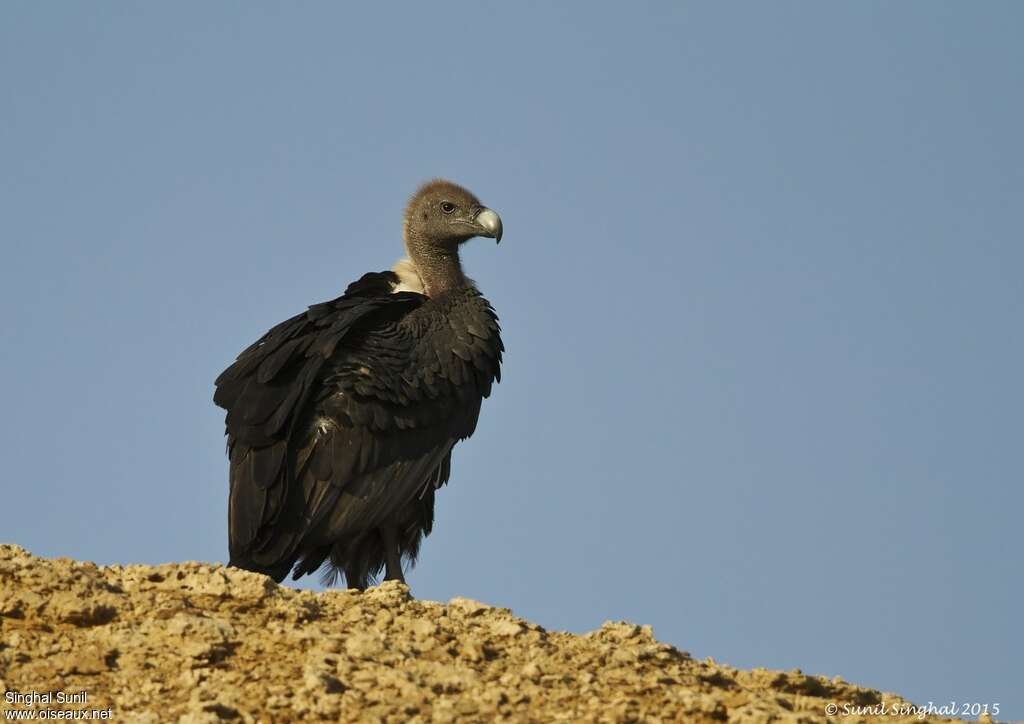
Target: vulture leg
(393,555)
(355,578)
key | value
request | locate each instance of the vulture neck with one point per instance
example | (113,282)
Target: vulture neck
(439,268)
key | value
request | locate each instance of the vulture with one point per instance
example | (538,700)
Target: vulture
(341,421)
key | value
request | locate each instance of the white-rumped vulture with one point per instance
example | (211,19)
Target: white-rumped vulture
(341,420)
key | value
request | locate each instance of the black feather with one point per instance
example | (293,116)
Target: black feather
(341,422)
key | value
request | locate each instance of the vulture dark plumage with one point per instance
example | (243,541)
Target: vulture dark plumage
(341,420)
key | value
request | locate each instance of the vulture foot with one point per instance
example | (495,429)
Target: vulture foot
(393,560)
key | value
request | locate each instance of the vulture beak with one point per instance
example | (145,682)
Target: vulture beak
(489,223)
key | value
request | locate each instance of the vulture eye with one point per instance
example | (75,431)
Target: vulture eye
(447,207)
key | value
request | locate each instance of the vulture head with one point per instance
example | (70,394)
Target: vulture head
(439,217)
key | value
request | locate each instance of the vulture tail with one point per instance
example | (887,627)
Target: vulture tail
(277,572)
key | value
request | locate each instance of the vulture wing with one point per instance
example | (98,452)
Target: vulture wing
(342,419)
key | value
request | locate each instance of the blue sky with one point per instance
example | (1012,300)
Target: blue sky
(760,286)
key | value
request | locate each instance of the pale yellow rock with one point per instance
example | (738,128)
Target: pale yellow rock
(467,606)
(508,628)
(194,642)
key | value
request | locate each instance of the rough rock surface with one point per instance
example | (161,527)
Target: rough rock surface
(192,642)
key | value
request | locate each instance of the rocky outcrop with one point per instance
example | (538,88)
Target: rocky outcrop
(192,642)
